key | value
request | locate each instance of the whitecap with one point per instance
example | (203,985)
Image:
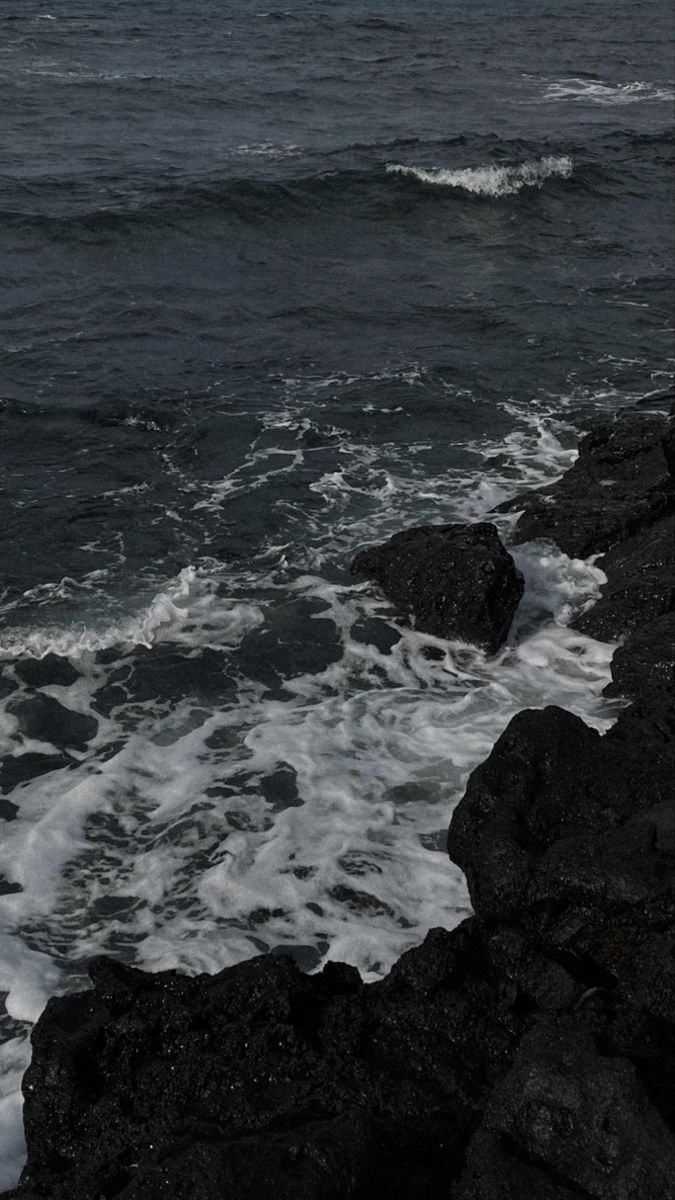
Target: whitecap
(492,179)
(593,91)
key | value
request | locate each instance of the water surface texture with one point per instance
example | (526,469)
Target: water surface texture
(274,284)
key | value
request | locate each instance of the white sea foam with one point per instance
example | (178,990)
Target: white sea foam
(493,179)
(592,91)
(187,604)
(268,150)
(14,1058)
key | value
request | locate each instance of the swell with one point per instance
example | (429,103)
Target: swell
(464,170)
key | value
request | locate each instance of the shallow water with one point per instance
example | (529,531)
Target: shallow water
(275,284)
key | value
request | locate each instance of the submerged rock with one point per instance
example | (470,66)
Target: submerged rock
(457,581)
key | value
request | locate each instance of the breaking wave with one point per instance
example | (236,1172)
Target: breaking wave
(595,91)
(492,180)
(188,610)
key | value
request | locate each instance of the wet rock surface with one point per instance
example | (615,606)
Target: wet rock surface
(569,1121)
(620,484)
(645,663)
(266,1079)
(530,1052)
(640,583)
(457,581)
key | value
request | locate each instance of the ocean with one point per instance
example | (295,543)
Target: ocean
(276,284)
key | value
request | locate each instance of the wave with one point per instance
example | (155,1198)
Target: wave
(188,610)
(492,180)
(595,91)
(249,200)
(63,209)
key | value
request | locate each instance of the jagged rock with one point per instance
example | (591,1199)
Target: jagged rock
(640,583)
(549,778)
(262,1083)
(649,719)
(621,482)
(645,663)
(570,837)
(352,1156)
(261,1077)
(42,718)
(457,581)
(568,1122)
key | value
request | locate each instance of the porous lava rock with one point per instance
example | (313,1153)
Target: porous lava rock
(621,482)
(651,718)
(569,1121)
(645,664)
(640,583)
(263,1082)
(457,581)
(570,838)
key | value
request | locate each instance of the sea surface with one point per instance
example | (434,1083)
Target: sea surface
(274,284)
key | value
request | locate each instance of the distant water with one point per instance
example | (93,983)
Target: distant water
(274,285)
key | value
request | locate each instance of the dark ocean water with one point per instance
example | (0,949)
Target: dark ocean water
(274,284)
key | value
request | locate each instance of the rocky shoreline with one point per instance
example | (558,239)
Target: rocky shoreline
(530,1052)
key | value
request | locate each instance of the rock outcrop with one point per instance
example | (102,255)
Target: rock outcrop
(621,483)
(645,664)
(569,1120)
(528,1053)
(457,581)
(264,1082)
(640,583)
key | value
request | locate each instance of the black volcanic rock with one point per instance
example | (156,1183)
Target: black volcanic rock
(348,1156)
(261,1077)
(457,581)
(549,781)
(640,583)
(570,838)
(651,718)
(567,1122)
(621,482)
(645,663)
